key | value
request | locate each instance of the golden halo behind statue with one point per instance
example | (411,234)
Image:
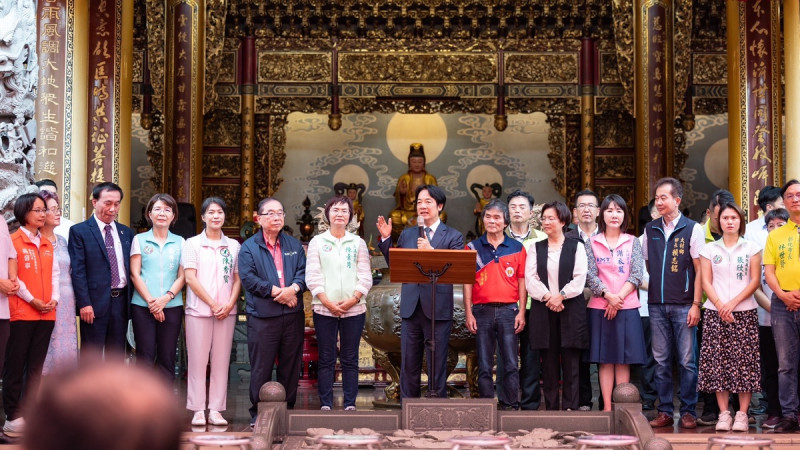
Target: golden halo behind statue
(406,129)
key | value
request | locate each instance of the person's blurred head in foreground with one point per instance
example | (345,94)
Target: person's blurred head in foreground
(104,406)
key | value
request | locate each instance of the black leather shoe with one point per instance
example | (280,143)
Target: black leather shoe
(648,406)
(787,425)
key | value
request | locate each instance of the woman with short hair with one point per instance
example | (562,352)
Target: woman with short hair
(157,275)
(339,277)
(555,273)
(32,309)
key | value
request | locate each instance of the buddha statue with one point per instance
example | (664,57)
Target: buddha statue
(405,210)
(484,194)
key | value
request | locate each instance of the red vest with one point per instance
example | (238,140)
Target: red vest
(35,269)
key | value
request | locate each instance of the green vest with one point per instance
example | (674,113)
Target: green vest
(339,265)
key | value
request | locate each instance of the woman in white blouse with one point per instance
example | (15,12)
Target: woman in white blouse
(339,277)
(555,273)
(212,276)
(729,357)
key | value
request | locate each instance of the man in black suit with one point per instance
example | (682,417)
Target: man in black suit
(100,253)
(416,304)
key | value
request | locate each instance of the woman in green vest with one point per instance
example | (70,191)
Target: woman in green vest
(339,277)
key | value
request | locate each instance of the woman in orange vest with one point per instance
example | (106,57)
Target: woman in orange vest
(32,309)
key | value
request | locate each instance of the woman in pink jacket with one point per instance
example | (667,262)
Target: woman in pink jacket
(615,272)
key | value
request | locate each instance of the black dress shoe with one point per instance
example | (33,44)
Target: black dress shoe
(787,425)
(648,406)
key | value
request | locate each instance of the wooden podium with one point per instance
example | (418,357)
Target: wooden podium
(434,267)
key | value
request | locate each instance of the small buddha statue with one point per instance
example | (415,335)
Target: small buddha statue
(486,194)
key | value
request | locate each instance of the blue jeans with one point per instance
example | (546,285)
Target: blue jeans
(530,373)
(672,338)
(496,328)
(348,331)
(786,330)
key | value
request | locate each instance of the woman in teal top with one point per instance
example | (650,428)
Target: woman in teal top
(157,275)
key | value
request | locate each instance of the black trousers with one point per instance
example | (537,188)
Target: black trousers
(769,370)
(415,338)
(278,337)
(5,331)
(27,348)
(108,333)
(558,361)
(157,342)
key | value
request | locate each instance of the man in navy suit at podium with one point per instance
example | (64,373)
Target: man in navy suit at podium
(416,304)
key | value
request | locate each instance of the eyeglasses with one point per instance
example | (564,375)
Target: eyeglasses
(39,211)
(158,211)
(335,211)
(271,214)
(54,210)
(586,205)
(792,196)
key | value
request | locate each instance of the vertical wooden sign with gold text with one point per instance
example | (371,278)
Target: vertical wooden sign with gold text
(184,101)
(754,99)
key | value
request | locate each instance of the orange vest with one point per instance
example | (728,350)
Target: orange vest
(35,269)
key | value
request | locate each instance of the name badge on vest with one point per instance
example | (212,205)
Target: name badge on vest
(280,274)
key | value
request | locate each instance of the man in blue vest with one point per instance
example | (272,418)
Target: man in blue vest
(672,247)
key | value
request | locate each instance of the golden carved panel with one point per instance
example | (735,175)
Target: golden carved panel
(362,105)
(546,105)
(682,55)
(222,128)
(222,165)
(608,68)
(710,68)
(709,106)
(288,67)
(287,105)
(232,103)
(137,75)
(614,130)
(616,166)
(227,67)
(623,40)
(541,68)
(417,67)
(216,11)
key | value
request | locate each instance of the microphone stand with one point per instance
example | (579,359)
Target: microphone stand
(433,276)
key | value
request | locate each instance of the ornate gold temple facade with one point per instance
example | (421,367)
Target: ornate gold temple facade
(575,61)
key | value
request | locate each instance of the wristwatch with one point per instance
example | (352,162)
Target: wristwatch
(562,293)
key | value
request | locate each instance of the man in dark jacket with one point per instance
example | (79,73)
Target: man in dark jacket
(272,266)
(416,302)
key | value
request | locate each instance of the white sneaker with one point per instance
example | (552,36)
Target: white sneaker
(725,420)
(350,408)
(215,418)
(199,418)
(741,422)
(14,426)
(325,408)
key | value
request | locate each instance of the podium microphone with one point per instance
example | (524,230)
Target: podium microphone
(421,226)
